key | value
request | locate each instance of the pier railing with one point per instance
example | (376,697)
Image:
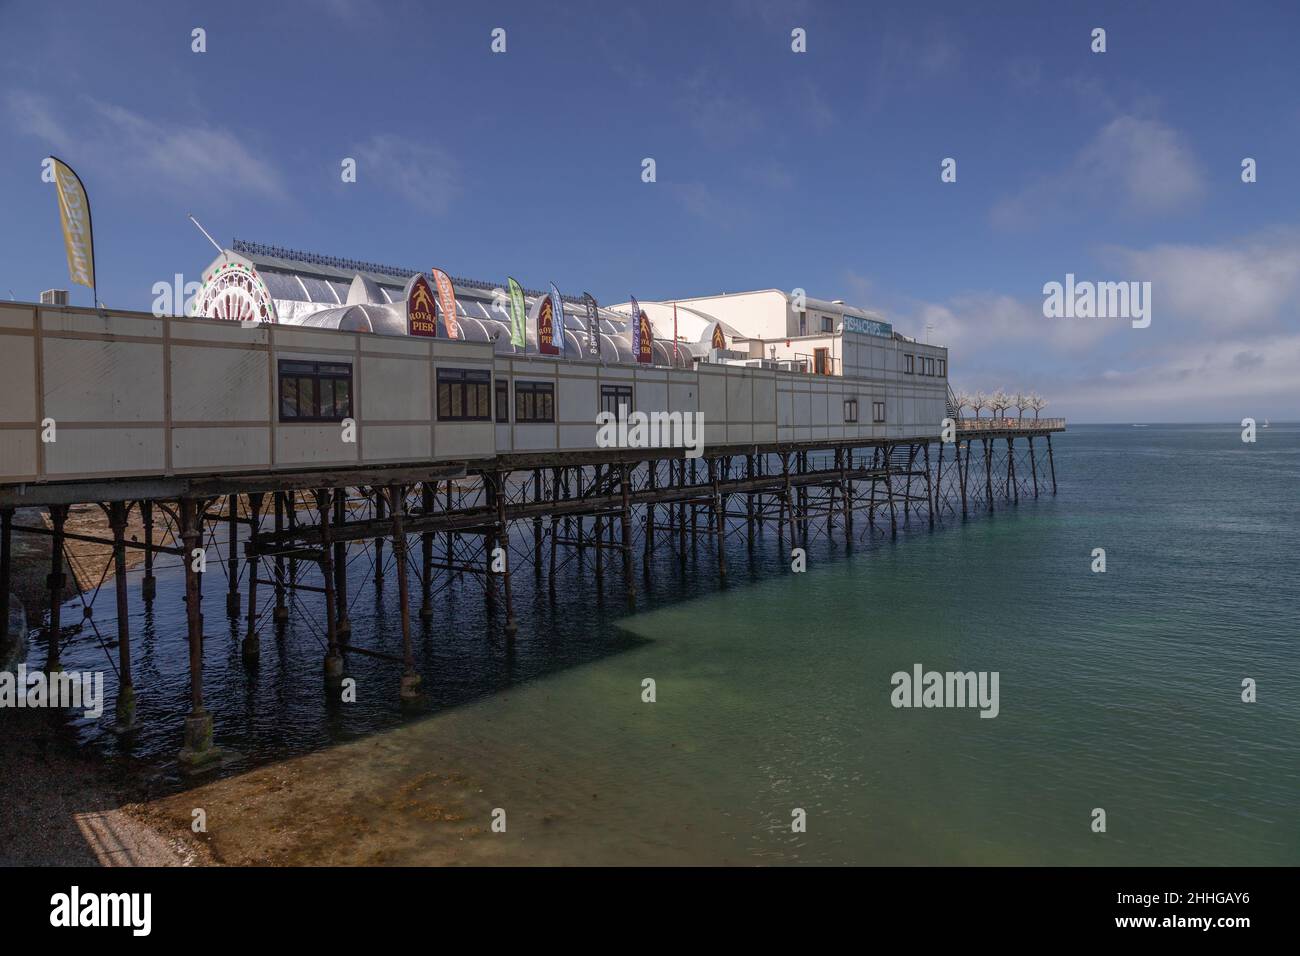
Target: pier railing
(1009,424)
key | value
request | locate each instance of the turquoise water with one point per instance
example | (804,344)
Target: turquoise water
(1119,691)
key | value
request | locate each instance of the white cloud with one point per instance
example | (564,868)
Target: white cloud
(720,115)
(701,201)
(169,157)
(1194,382)
(769,174)
(978,323)
(424,175)
(1132,165)
(910,60)
(1224,341)
(774,14)
(807,100)
(1250,282)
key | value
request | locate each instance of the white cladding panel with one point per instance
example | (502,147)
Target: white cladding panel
(18,453)
(17,378)
(577,401)
(105,452)
(220,384)
(540,437)
(313,444)
(463,440)
(217,449)
(394,390)
(102,380)
(395,443)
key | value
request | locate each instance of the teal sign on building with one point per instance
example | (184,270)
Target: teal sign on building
(853,323)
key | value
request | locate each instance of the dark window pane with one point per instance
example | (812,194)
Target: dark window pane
(307,397)
(288,398)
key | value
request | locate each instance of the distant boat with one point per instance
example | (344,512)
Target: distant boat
(1139,426)
(1266,423)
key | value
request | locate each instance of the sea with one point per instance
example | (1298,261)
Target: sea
(1147,713)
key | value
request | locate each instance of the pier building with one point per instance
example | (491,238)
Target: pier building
(297,415)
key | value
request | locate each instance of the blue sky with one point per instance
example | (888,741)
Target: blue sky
(774,169)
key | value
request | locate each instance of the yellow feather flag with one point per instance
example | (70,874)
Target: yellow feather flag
(74,213)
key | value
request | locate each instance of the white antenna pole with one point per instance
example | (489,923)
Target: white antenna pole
(208,237)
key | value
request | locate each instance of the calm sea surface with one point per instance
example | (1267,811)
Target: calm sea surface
(1119,690)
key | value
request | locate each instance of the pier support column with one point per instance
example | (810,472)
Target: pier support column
(599,524)
(149,585)
(681,512)
(846,493)
(6,567)
(489,543)
(342,622)
(555,528)
(125,710)
(629,585)
(797,504)
(907,491)
(426,555)
(962,472)
(1051,463)
(695,510)
(281,613)
(749,503)
(291,518)
(929,488)
(333,659)
(537,524)
(55,582)
(719,521)
(1033,465)
(252,646)
(503,541)
(889,492)
(938,479)
(410,686)
(652,478)
(232,556)
(988,471)
(787,499)
(379,542)
(871,498)
(1013,491)
(197,749)
(451,535)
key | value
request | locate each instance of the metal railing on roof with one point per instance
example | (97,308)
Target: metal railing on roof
(810,364)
